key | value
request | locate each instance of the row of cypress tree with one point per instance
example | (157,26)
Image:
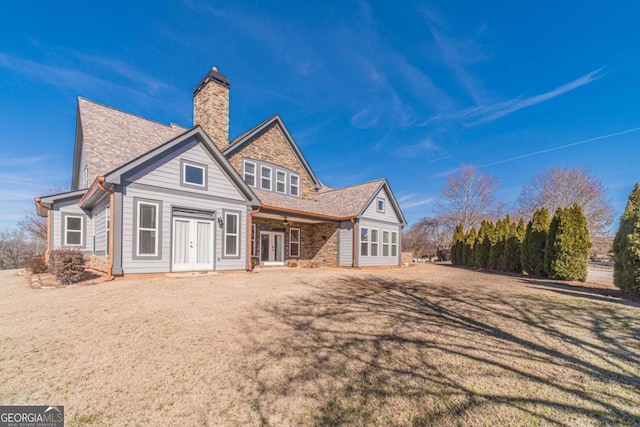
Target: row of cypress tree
(555,247)
(626,246)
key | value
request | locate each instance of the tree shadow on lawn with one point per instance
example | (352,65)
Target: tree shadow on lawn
(370,350)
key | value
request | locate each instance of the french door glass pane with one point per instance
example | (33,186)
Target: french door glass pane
(181,254)
(279,246)
(264,247)
(203,255)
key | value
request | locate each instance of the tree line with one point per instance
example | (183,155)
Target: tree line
(555,247)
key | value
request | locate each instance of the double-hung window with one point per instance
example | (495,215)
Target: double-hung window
(249,172)
(294,187)
(385,243)
(364,241)
(380,205)
(265,178)
(294,242)
(147,229)
(281,182)
(394,243)
(73,230)
(231,238)
(374,242)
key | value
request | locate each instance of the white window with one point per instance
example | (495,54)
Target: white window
(147,229)
(249,172)
(294,187)
(281,182)
(294,242)
(364,241)
(193,174)
(73,230)
(107,229)
(253,240)
(374,242)
(394,243)
(265,174)
(231,227)
(380,205)
(385,243)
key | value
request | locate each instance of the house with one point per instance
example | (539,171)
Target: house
(148,197)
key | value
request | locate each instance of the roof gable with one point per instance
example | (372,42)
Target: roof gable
(114,177)
(252,134)
(383,190)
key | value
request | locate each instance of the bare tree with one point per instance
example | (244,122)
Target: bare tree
(34,226)
(468,197)
(431,236)
(15,249)
(559,187)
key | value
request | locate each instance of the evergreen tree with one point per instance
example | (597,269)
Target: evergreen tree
(456,245)
(469,244)
(533,246)
(626,246)
(496,253)
(483,234)
(512,253)
(568,245)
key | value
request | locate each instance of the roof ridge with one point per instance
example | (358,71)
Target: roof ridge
(354,185)
(170,125)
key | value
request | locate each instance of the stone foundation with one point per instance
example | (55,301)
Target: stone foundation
(98,263)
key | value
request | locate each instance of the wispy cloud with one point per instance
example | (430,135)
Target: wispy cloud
(487,113)
(425,147)
(561,147)
(412,201)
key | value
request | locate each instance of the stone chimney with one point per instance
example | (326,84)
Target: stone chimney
(211,107)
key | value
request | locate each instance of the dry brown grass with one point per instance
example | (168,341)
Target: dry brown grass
(428,345)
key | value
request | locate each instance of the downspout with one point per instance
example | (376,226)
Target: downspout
(355,243)
(249,224)
(112,211)
(48,251)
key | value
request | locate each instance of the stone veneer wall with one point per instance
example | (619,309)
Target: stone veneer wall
(211,112)
(95,262)
(318,245)
(271,146)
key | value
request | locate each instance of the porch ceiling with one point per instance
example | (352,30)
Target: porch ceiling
(290,218)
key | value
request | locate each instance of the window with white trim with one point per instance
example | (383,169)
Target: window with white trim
(364,241)
(294,187)
(249,172)
(231,240)
(107,228)
(394,243)
(385,243)
(374,242)
(294,242)
(281,182)
(193,174)
(265,178)
(253,240)
(380,205)
(147,233)
(73,230)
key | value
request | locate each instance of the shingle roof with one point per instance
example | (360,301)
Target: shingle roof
(112,137)
(343,202)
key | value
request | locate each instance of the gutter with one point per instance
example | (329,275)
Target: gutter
(112,211)
(355,244)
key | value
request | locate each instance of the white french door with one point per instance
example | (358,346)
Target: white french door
(192,244)
(271,247)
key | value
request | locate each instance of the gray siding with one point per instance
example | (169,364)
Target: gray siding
(389,214)
(99,215)
(370,261)
(57,213)
(345,247)
(165,173)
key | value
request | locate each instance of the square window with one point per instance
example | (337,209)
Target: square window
(193,174)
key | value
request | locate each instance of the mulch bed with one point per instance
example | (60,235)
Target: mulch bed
(48,280)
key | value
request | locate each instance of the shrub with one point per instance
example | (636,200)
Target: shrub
(535,240)
(37,265)
(496,253)
(457,245)
(468,247)
(626,246)
(513,245)
(484,243)
(67,265)
(568,245)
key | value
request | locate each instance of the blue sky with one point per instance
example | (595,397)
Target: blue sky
(406,90)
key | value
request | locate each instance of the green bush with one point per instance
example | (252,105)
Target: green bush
(484,243)
(468,247)
(568,245)
(626,246)
(67,265)
(457,245)
(512,250)
(496,253)
(37,265)
(535,240)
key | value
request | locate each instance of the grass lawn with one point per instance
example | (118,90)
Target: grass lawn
(426,345)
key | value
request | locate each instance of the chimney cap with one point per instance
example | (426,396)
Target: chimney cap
(213,76)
